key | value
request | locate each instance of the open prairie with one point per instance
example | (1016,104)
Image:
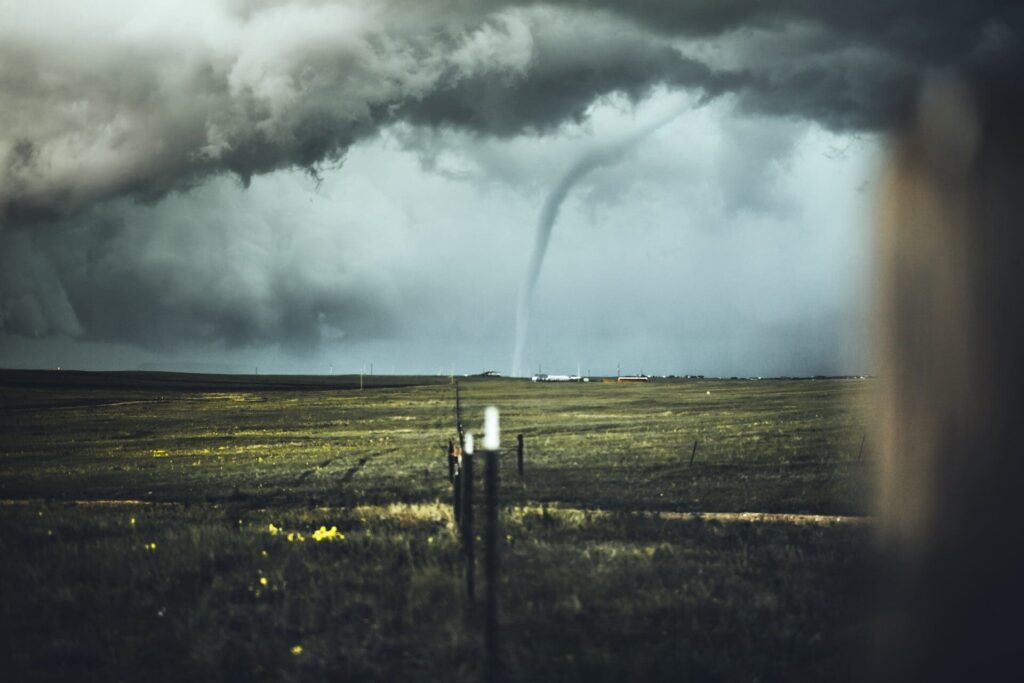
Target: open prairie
(176,527)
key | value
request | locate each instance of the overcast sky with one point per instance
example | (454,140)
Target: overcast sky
(315,186)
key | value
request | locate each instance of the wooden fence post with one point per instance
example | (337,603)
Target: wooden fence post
(519,454)
(451,461)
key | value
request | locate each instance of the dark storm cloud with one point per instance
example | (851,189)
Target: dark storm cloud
(915,27)
(32,297)
(858,64)
(147,111)
(187,276)
(132,101)
(572,62)
(148,102)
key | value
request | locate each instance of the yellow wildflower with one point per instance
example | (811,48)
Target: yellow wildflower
(294,536)
(296,649)
(263,581)
(323,534)
(132,522)
(274,531)
(263,553)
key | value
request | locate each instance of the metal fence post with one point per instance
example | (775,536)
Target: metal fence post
(492,443)
(466,475)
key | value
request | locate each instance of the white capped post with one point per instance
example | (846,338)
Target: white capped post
(492,441)
(468,446)
(492,431)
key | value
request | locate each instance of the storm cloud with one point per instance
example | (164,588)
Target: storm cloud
(109,113)
(140,99)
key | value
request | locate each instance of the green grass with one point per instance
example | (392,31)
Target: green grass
(601,579)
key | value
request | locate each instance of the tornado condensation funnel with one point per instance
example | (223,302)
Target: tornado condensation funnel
(492,432)
(467,445)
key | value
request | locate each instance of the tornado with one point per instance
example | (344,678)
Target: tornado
(592,158)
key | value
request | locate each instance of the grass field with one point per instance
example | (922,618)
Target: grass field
(177,527)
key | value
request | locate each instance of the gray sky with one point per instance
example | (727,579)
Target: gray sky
(310,184)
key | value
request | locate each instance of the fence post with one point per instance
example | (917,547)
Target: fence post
(451,461)
(492,442)
(457,497)
(519,454)
(693,452)
(466,475)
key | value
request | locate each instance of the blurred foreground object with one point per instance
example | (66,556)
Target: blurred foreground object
(951,357)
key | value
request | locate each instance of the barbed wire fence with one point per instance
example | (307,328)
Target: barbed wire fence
(701,448)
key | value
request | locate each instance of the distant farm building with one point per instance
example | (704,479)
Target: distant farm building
(559,378)
(633,378)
